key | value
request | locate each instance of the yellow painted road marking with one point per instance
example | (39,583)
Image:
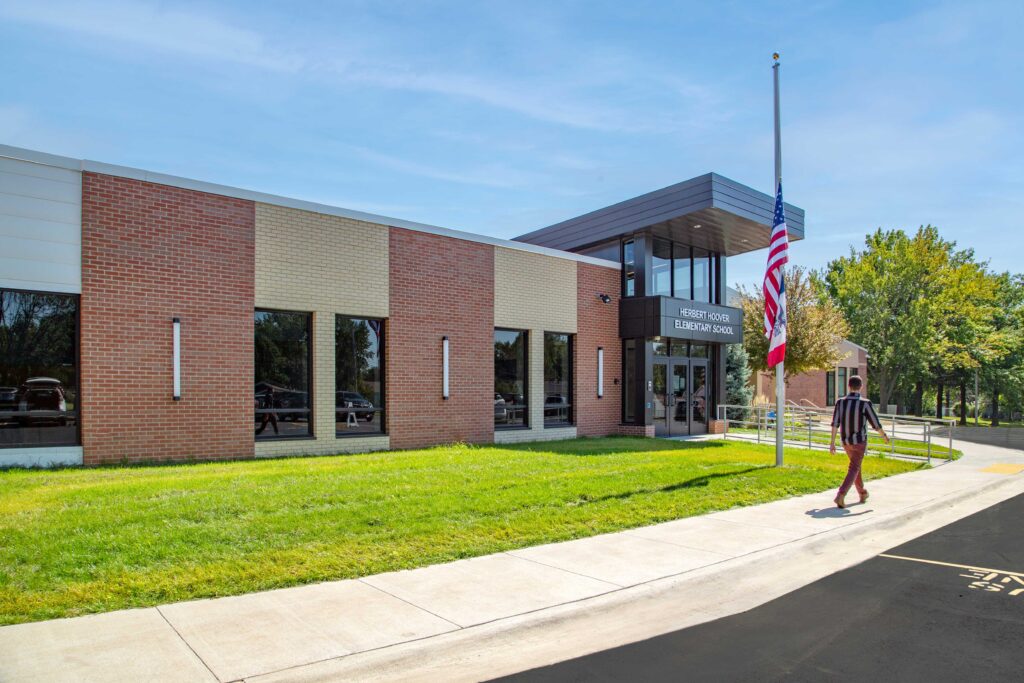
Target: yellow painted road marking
(1004,468)
(950,564)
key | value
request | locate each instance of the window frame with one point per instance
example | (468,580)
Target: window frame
(381,369)
(570,343)
(311,434)
(77,343)
(830,388)
(526,379)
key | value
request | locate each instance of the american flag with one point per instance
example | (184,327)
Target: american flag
(775,286)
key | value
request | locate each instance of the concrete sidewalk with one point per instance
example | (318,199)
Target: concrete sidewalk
(501,613)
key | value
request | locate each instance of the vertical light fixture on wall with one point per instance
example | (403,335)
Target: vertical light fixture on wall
(176,356)
(444,368)
(600,372)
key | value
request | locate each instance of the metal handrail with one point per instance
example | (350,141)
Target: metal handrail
(803,423)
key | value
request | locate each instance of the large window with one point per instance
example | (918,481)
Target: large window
(282,379)
(830,388)
(38,369)
(661,268)
(681,269)
(841,383)
(628,269)
(701,275)
(510,405)
(557,379)
(358,376)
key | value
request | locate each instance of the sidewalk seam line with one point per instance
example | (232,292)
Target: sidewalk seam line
(187,644)
(423,609)
(562,569)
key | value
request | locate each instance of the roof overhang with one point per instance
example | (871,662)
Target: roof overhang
(709,211)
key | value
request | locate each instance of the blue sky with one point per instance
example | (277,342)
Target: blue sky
(503,117)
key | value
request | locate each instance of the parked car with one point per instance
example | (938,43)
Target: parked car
(42,395)
(8,398)
(556,407)
(346,402)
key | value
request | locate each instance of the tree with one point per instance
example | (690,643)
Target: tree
(738,391)
(815,326)
(1003,373)
(885,293)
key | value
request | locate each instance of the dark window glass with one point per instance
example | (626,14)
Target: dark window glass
(661,268)
(358,376)
(282,375)
(659,346)
(557,379)
(628,379)
(698,350)
(713,279)
(628,269)
(510,406)
(678,348)
(701,275)
(854,372)
(681,266)
(39,369)
(830,388)
(841,382)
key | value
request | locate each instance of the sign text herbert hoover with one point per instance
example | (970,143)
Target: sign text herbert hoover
(697,320)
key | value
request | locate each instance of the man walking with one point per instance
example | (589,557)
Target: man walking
(851,418)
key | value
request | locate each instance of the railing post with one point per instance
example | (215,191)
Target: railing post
(808,418)
(758,417)
(928,437)
(892,439)
(949,455)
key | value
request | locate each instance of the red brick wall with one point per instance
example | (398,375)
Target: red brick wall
(440,286)
(809,385)
(597,325)
(150,253)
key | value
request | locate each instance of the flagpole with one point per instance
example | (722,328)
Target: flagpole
(780,382)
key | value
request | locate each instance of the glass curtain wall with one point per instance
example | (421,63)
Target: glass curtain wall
(38,369)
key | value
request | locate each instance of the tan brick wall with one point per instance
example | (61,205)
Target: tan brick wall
(324,265)
(533,291)
(536,293)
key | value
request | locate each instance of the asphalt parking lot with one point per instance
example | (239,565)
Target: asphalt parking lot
(948,606)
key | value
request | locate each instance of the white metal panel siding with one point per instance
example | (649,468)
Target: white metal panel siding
(40,227)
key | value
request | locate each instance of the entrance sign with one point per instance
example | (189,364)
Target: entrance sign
(665,316)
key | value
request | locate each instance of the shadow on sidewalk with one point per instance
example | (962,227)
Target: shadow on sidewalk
(833,513)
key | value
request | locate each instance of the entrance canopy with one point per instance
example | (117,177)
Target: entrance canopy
(709,211)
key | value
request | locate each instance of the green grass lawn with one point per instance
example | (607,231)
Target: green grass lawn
(90,540)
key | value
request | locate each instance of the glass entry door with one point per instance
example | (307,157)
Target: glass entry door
(680,396)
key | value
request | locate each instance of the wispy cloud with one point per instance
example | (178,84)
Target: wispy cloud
(489,175)
(196,34)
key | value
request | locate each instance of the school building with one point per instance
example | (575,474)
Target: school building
(146,317)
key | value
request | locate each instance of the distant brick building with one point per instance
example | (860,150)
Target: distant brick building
(821,388)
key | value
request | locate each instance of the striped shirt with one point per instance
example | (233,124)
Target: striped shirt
(852,415)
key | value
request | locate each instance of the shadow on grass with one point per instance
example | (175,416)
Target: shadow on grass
(611,445)
(696,482)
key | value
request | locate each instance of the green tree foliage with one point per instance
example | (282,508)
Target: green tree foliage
(1003,372)
(815,326)
(738,390)
(925,310)
(888,293)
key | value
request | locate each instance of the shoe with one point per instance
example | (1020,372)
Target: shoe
(840,501)
(864,497)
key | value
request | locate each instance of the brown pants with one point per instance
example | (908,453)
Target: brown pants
(855,452)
